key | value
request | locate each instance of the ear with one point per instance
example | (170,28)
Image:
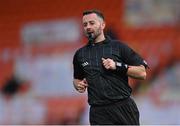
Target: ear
(103,25)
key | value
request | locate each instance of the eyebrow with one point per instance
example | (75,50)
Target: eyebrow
(91,21)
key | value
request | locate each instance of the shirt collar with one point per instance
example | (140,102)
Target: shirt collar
(107,40)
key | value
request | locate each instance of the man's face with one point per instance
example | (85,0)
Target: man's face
(93,25)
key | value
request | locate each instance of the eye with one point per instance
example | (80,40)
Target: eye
(92,23)
(85,24)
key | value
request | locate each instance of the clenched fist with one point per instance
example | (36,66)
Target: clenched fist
(109,64)
(80,85)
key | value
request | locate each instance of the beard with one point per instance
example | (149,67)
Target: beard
(93,35)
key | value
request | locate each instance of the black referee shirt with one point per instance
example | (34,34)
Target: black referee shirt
(104,86)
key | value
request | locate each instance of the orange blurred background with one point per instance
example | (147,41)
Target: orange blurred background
(38,63)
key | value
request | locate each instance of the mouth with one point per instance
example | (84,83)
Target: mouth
(89,32)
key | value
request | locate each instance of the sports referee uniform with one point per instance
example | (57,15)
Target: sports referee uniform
(108,90)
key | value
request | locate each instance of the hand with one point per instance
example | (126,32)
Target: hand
(109,63)
(80,85)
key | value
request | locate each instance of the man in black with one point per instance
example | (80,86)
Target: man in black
(103,67)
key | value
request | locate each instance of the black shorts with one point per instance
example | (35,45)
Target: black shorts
(120,113)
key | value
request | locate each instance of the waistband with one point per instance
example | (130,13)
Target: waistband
(119,102)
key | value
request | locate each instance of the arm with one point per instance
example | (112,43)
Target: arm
(137,72)
(79,83)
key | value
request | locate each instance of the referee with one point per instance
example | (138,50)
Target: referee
(103,67)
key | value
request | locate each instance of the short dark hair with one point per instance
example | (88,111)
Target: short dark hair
(97,12)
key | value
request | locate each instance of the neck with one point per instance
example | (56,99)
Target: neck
(100,38)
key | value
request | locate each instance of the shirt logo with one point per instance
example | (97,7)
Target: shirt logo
(85,64)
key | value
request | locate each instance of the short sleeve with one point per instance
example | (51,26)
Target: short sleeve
(78,71)
(130,57)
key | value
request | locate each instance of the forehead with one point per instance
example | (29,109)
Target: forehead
(90,17)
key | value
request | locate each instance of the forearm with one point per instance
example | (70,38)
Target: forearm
(137,72)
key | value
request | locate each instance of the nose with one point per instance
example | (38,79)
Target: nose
(88,26)
(88,29)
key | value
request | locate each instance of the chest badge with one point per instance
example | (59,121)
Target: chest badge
(85,64)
